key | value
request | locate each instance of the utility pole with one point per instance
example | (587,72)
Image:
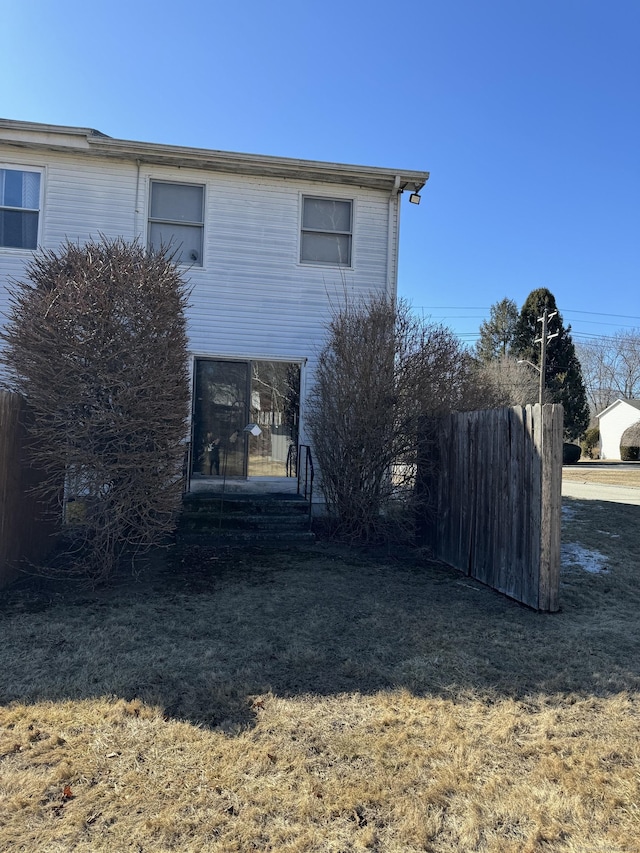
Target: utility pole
(543,340)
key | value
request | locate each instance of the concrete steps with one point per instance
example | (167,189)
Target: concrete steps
(244,519)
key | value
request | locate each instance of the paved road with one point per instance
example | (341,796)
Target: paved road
(600,492)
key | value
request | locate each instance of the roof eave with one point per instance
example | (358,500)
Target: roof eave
(635,404)
(91,142)
(256,164)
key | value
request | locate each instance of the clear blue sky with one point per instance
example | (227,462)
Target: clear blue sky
(526,113)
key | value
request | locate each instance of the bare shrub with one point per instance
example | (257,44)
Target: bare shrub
(509,383)
(630,443)
(381,372)
(96,342)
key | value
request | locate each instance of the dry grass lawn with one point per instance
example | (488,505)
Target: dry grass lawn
(326,701)
(605,473)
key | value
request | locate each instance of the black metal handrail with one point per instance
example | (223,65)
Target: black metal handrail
(186,464)
(292,461)
(308,477)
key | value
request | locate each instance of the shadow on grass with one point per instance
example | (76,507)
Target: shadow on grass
(203,634)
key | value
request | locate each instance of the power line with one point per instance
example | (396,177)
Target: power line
(485,308)
(585,336)
(447,307)
(582,322)
(470,337)
(596,323)
(602,314)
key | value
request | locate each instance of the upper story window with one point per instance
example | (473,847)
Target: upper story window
(176,220)
(19,208)
(326,231)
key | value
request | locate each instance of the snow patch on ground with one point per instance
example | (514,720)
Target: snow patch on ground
(568,513)
(575,556)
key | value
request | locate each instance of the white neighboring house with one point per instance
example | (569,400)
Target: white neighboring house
(267,244)
(614,420)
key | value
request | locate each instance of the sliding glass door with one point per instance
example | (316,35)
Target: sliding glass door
(245,418)
(219,418)
(275,403)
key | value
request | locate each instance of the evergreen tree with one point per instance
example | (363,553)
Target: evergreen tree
(563,373)
(496,334)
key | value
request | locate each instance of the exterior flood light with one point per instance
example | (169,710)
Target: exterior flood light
(415,197)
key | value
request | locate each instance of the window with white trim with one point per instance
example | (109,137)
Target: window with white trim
(19,208)
(327,226)
(176,221)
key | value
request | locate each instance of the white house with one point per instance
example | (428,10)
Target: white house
(267,244)
(614,420)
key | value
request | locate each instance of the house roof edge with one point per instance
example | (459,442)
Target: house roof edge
(90,141)
(634,403)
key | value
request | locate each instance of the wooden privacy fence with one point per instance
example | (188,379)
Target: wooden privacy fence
(494,478)
(25,528)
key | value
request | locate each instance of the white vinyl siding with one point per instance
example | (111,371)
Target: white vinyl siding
(86,199)
(252,298)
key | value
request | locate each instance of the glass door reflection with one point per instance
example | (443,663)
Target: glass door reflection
(229,395)
(219,418)
(275,404)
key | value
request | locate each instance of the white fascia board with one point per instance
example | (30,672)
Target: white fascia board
(92,142)
(256,164)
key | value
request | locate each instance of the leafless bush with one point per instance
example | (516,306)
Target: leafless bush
(96,342)
(380,373)
(509,383)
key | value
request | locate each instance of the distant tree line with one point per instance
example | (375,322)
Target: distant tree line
(611,368)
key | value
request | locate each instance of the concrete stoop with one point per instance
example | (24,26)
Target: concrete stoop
(275,519)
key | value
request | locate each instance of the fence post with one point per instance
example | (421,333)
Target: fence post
(551,499)
(26,524)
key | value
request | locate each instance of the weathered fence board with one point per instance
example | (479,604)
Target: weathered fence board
(551,510)
(497,513)
(25,526)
